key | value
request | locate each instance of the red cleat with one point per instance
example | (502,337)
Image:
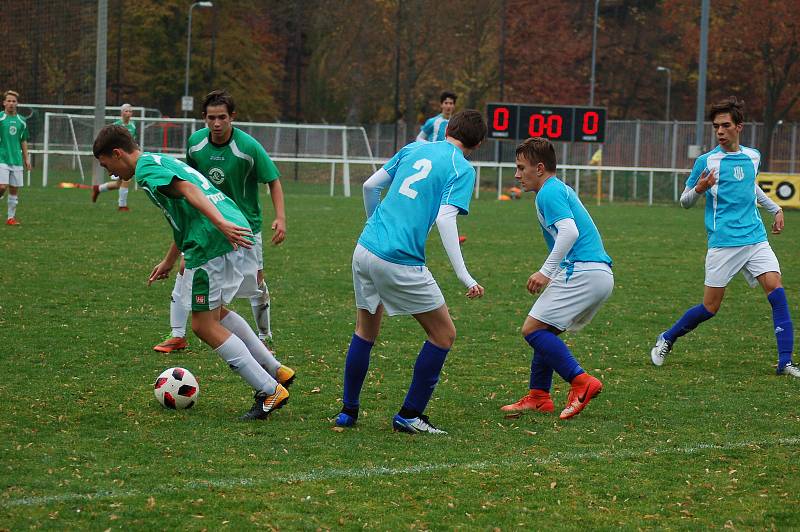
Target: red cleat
(12,221)
(536,400)
(123,209)
(583,389)
(171,344)
(462,239)
(95,193)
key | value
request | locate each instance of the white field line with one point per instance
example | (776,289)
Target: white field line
(356,473)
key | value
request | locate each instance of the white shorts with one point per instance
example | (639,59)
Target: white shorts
(219,280)
(569,304)
(257,252)
(402,289)
(753,260)
(11,175)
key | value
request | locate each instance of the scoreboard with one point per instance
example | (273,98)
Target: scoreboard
(514,121)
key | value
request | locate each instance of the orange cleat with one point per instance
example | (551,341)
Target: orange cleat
(285,375)
(536,400)
(583,389)
(124,208)
(169,345)
(12,221)
(95,193)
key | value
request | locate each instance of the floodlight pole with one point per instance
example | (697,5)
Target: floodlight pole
(701,78)
(189,56)
(669,86)
(594,52)
(100,80)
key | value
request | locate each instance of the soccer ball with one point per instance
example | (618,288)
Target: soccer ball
(176,388)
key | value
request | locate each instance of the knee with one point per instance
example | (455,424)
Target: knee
(445,338)
(713,306)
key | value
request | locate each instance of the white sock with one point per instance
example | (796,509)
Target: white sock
(123,197)
(12,205)
(103,187)
(260,307)
(239,327)
(179,308)
(235,353)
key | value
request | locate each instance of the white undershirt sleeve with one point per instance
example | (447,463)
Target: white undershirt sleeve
(422,136)
(448,232)
(689,197)
(565,239)
(372,190)
(766,202)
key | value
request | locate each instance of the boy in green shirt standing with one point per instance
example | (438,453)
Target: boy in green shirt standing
(211,232)
(13,153)
(236,164)
(126,112)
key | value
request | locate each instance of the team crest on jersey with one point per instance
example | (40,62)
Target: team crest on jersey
(200,299)
(738,173)
(12,130)
(216,175)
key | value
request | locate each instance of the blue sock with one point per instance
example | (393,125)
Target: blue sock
(693,317)
(355,370)
(784,331)
(554,353)
(541,374)
(426,374)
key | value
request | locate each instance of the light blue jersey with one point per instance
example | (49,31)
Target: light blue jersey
(732,218)
(556,201)
(435,128)
(424,177)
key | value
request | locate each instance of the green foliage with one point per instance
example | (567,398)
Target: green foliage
(708,440)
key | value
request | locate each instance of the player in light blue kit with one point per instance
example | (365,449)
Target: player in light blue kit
(575,281)
(435,128)
(428,182)
(737,240)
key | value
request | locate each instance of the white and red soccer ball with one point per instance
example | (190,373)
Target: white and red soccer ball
(176,388)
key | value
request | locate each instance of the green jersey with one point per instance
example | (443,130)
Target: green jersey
(236,168)
(195,235)
(13,132)
(130,126)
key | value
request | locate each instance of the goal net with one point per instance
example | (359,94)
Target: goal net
(322,149)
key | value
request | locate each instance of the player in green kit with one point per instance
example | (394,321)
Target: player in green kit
(126,112)
(13,153)
(213,234)
(236,164)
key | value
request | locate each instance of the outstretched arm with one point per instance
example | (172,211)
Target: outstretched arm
(448,232)
(236,235)
(162,269)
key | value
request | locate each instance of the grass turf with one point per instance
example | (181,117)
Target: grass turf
(708,440)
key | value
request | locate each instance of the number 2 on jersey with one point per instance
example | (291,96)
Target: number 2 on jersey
(424,166)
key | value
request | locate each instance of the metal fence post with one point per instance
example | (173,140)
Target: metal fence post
(650,190)
(611,188)
(793,155)
(636,146)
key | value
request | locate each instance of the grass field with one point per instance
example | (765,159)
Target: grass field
(710,440)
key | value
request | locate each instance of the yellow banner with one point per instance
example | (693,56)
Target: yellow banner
(784,189)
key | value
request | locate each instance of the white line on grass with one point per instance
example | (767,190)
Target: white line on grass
(368,472)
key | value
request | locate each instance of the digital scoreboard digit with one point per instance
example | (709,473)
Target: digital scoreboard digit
(502,121)
(559,123)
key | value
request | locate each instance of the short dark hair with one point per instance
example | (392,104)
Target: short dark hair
(219,97)
(468,127)
(732,105)
(447,94)
(538,150)
(113,137)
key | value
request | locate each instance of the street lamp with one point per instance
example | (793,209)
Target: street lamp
(669,85)
(189,46)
